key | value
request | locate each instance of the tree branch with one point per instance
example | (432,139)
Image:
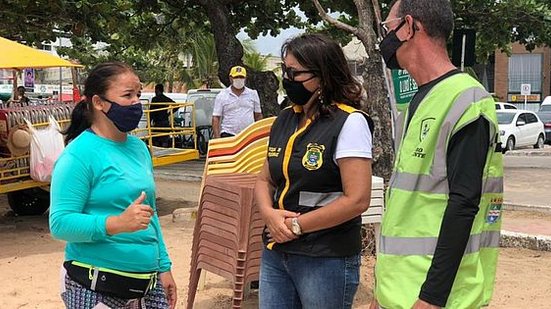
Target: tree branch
(365,21)
(337,23)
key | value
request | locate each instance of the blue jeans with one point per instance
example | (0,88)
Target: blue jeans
(298,281)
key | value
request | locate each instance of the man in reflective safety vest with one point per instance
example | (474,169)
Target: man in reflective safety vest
(440,232)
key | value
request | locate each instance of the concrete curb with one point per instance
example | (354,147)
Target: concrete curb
(176,176)
(524,153)
(527,207)
(521,240)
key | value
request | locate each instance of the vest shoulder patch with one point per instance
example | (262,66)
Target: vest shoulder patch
(494,211)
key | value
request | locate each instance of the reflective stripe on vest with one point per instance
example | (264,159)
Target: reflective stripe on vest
(316,199)
(427,245)
(437,181)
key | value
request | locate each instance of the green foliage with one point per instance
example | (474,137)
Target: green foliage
(153,35)
(252,58)
(204,70)
(497,23)
(500,23)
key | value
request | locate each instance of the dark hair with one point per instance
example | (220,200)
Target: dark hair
(159,88)
(435,15)
(319,53)
(98,82)
(20,87)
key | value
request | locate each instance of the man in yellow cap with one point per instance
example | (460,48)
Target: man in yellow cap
(235,107)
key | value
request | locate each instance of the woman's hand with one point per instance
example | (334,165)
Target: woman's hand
(275,221)
(134,218)
(170,288)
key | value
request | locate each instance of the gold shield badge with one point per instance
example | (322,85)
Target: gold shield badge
(313,158)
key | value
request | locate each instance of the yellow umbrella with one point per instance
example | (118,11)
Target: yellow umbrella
(18,56)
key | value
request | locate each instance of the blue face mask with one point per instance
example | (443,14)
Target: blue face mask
(125,117)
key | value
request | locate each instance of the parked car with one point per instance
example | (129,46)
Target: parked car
(203,100)
(501,105)
(546,101)
(146,97)
(545,108)
(545,117)
(177,97)
(204,105)
(518,128)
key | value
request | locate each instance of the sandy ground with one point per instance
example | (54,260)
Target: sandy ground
(30,261)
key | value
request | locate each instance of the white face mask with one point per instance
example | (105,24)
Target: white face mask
(238,83)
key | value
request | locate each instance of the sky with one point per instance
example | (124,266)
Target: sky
(269,44)
(272,45)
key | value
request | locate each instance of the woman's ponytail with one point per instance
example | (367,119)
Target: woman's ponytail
(80,121)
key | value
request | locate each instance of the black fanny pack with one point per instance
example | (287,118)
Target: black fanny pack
(115,283)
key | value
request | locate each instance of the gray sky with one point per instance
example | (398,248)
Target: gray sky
(269,44)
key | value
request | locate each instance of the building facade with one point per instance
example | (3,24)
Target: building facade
(523,67)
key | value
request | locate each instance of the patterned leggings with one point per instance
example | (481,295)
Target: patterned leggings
(75,296)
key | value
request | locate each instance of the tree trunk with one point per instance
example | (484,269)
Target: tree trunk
(230,53)
(378,105)
(378,108)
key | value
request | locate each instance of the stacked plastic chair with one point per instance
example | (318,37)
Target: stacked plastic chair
(374,214)
(227,238)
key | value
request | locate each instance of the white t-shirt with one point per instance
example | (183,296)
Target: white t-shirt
(355,139)
(237,112)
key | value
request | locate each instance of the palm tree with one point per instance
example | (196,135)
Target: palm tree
(204,68)
(252,58)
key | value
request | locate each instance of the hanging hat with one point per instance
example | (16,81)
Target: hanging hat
(19,141)
(238,71)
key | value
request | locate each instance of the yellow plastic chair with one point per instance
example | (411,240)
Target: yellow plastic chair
(243,153)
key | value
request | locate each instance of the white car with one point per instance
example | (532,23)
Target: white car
(501,105)
(518,128)
(145,99)
(203,99)
(546,104)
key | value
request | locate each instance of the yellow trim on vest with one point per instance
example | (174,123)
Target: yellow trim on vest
(116,272)
(287,158)
(270,245)
(347,108)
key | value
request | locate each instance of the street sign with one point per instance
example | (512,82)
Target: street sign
(525,89)
(404,88)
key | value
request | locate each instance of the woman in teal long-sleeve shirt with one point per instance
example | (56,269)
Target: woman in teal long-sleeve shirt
(103,201)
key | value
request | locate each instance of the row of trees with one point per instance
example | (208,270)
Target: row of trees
(157,37)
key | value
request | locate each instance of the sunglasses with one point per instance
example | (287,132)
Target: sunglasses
(386,30)
(290,73)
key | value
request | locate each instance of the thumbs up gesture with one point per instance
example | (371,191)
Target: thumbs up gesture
(136,217)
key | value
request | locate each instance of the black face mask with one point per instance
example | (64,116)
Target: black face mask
(296,91)
(389,45)
(125,117)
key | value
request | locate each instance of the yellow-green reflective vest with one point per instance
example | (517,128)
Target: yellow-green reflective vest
(418,195)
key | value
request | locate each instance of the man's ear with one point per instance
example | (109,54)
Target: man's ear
(412,25)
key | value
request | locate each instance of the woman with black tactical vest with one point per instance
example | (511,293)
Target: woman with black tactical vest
(316,181)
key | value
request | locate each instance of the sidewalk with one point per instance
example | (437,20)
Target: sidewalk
(529,151)
(186,171)
(526,212)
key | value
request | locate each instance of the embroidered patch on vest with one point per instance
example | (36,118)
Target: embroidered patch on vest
(494,211)
(425,128)
(313,158)
(273,152)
